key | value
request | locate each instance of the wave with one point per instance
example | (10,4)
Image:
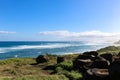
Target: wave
(48,46)
(2,51)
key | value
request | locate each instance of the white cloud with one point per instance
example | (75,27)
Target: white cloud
(7,32)
(92,36)
(79,34)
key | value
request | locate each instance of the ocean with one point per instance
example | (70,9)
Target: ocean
(21,49)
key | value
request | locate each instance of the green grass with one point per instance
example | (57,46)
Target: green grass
(21,69)
(20,61)
(109,49)
(74,75)
(49,77)
(67,65)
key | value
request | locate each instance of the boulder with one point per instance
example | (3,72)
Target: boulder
(114,70)
(94,53)
(102,64)
(108,56)
(60,59)
(97,58)
(116,58)
(82,56)
(42,59)
(96,74)
(119,54)
(82,64)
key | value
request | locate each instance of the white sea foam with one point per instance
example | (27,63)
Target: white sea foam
(48,46)
(2,50)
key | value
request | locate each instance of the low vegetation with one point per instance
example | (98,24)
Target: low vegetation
(110,49)
(24,69)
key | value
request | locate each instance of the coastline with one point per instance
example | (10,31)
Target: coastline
(21,68)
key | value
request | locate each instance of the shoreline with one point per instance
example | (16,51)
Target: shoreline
(100,50)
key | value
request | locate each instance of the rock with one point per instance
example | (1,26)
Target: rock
(60,59)
(85,56)
(119,54)
(108,56)
(96,74)
(42,59)
(114,70)
(82,64)
(116,58)
(102,64)
(94,53)
(97,58)
(81,60)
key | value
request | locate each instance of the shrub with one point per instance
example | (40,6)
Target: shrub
(74,75)
(67,65)
(58,70)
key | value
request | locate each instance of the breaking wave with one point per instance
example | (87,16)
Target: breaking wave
(22,47)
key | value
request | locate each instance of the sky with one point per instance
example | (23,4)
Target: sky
(60,20)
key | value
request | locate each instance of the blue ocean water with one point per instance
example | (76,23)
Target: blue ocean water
(22,49)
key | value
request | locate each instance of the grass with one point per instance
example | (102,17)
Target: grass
(74,75)
(67,65)
(21,69)
(49,77)
(109,49)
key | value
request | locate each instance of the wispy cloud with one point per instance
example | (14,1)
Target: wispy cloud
(92,36)
(7,32)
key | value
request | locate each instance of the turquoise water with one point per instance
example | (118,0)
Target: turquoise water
(33,49)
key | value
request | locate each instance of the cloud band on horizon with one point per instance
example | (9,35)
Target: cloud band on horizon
(92,36)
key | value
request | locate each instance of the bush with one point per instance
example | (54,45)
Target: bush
(74,75)
(67,65)
(58,70)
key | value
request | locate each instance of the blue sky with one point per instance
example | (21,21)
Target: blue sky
(37,19)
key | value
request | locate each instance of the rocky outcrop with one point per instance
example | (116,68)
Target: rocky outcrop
(108,56)
(82,62)
(42,59)
(103,64)
(95,67)
(94,53)
(114,70)
(96,74)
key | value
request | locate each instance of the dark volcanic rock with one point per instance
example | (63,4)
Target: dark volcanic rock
(97,58)
(108,56)
(96,74)
(85,56)
(94,53)
(116,58)
(114,70)
(42,58)
(82,64)
(100,64)
(60,59)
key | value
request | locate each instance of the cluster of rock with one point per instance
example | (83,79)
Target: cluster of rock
(98,67)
